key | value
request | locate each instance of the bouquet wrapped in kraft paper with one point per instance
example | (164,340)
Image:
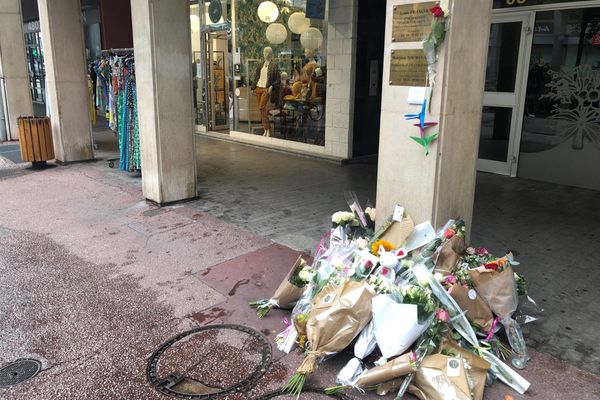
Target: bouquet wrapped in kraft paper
(449,254)
(287,294)
(338,314)
(393,369)
(499,288)
(453,373)
(475,307)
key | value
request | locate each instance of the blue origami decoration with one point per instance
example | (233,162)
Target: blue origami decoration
(423,140)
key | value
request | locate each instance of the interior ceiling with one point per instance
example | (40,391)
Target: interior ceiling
(30,9)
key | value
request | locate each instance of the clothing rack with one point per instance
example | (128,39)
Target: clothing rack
(118,52)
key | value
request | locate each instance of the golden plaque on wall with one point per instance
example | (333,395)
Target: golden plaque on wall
(411,22)
(408,68)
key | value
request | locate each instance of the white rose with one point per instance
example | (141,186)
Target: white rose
(438,277)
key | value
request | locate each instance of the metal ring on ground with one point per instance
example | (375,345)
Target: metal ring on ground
(165,386)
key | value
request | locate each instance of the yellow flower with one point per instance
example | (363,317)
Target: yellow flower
(387,246)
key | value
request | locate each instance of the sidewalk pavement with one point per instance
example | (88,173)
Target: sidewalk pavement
(94,279)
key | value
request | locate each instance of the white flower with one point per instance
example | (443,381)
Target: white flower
(362,243)
(342,216)
(371,213)
(438,277)
(351,272)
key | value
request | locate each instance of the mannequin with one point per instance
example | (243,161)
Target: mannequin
(311,65)
(266,81)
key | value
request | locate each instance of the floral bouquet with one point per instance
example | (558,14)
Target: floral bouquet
(495,282)
(338,315)
(365,344)
(453,373)
(289,290)
(401,317)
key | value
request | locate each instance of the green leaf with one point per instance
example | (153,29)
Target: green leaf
(418,140)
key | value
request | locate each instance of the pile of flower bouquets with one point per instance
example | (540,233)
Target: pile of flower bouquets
(420,310)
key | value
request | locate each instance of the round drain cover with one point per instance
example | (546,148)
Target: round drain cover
(210,361)
(19,371)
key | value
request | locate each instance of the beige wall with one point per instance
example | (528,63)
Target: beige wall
(13,64)
(441,185)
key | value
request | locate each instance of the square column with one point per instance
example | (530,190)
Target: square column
(13,65)
(66,78)
(440,185)
(163,68)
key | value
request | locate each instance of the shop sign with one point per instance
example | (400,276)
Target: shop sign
(545,28)
(411,22)
(408,68)
(315,9)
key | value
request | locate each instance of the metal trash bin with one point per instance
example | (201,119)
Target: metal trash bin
(35,140)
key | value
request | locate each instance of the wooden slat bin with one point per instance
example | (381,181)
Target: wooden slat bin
(35,139)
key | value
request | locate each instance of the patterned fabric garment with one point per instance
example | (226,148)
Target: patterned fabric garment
(116,96)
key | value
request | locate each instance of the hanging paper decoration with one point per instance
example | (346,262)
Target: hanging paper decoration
(298,23)
(422,139)
(276,33)
(312,38)
(268,12)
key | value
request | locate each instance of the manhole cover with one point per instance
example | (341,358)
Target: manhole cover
(308,393)
(19,371)
(210,361)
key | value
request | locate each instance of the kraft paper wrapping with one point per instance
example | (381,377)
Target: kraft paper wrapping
(395,368)
(338,315)
(449,255)
(476,309)
(397,233)
(478,365)
(499,289)
(444,377)
(287,293)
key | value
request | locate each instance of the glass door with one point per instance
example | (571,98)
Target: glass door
(506,72)
(217,80)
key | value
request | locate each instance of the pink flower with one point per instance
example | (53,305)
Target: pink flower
(449,233)
(442,315)
(385,271)
(481,251)
(412,356)
(450,280)
(437,11)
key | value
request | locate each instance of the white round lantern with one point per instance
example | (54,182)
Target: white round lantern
(298,22)
(276,33)
(311,38)
(268,11)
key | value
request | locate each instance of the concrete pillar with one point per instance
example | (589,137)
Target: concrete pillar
(441,185)
(66,79)
(13,65)
(341,70)
(163,63)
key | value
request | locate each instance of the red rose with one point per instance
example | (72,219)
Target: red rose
(437,11)
(449,233)
(491,265)
(385,271)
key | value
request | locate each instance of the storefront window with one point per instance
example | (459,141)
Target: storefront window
(560,140)
(280,70)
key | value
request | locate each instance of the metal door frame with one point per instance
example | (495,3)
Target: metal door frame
(514,100)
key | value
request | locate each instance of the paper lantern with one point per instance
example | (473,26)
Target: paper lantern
(268,11)
(276,33)
(298,22)
(311,38)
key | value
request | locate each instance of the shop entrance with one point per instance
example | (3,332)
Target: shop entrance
(541,114)
(217,101)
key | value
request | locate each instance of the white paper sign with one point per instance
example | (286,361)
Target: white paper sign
(398,213)
(416,95)
(453,367)
(420,236)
